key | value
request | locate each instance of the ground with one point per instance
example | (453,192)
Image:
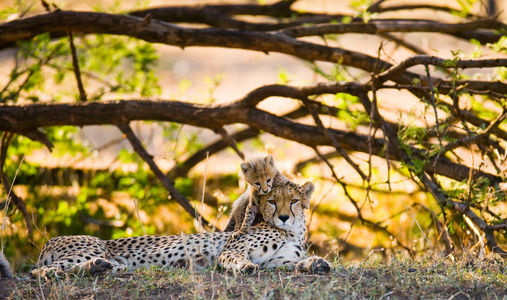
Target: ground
(464,277)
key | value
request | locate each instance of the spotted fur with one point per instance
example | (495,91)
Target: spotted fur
(277,242)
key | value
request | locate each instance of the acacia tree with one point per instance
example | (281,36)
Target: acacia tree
(426,154)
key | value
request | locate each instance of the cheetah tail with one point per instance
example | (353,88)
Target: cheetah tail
(5,267)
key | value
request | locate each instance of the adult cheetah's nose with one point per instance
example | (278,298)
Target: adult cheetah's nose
(283,218)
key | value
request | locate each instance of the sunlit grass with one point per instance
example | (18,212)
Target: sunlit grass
(428,277)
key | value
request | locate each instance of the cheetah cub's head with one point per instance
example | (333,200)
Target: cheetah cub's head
(286,204)
(260,173)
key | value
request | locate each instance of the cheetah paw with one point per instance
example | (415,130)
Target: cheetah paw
(248,268)
(314,265)
(47,273)
(99,266)
(238,234)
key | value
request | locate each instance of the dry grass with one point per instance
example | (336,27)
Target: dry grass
(462,277)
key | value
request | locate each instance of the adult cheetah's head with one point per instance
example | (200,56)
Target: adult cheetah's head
(286,204)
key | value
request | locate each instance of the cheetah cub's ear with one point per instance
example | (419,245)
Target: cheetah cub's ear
(308,189)
(244,167)
(270,160)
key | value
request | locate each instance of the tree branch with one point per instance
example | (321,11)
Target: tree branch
(16,118)
(230,141)
(9,186)
(139,149)
(431,185)
(157,31)
(397,70)
(394,25)
(75,64)
(334,142)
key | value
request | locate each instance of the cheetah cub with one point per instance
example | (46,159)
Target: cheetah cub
(261,175)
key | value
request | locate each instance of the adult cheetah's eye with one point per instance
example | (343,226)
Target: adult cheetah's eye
(272,202)
(294,201)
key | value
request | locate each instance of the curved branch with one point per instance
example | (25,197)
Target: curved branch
(183,168)
(23,117)
(157,31)
(8,186)
(189,14)
(394,25)
(221,16)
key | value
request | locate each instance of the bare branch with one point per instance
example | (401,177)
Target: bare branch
(433,187)
(8,186)
(138,147)
(334,142)
(397,70)
(39,136)
(160,32)
(182,169)
(16,118)
(230,141)
(75,64)
(384,26)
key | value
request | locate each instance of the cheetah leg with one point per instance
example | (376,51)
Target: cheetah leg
(238,212)
(48,272)
(67,265)
(120,264)
(234,258)
(250,212)
(291,255)
(235,262)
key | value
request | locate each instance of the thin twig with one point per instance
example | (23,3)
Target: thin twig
(203,188)
(417,222)
(75,64)
(433,187)
(313,111)
(312,212)
(20,204)
(6,209)
(139,215)
(339,181)
(230,141)
(164,180)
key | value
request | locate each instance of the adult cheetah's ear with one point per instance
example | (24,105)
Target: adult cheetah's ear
(270,160)
(308,189)
(244,168)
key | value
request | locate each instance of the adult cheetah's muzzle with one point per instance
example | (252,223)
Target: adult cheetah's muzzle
(283,218)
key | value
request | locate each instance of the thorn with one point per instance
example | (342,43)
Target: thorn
(147,19)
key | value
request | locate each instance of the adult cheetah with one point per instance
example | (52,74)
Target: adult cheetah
(278,241)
